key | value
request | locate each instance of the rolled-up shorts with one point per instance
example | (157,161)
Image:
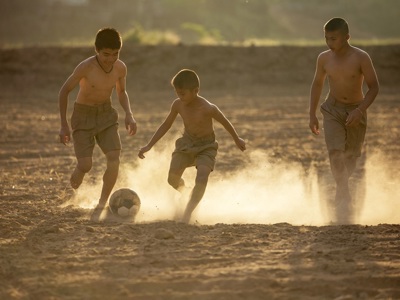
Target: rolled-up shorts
(91,124)
(337,135)
(193,151)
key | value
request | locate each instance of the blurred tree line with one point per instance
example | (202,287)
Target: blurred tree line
(71,22)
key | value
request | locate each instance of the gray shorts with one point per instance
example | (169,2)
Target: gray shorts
(92,124)
(192,151)
(337,135)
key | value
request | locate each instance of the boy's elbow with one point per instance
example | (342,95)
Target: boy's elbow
(121,92)
(375,88)
(63,93)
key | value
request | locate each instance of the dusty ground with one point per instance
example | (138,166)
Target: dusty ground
(263,230)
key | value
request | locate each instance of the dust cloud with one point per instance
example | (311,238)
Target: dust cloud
(260,192)
(382,190)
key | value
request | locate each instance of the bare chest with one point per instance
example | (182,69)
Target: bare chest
(343,70)
(99,81)
(194,115)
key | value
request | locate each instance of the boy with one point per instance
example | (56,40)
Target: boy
(345,107)
(93,118)
(197,147)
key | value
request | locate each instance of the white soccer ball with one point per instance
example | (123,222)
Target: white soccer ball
(124,203)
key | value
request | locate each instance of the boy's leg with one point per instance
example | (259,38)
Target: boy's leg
(341,173)
(350,162)
(198,191)
(175,179)
(83,166)
(109,180)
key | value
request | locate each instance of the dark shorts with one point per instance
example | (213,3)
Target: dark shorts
(91,124)
(192,151)
(337,135)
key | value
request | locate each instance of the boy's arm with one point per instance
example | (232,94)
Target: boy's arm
(68,86)
(130,122)
(371,80)
(220,117)
(161,131)
(315,94)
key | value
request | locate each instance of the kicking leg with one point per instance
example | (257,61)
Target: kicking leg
(198,191)
(175,179)
(83,166)
(109,180)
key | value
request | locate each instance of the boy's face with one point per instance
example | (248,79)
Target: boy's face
(186,95)
(107,57)
(335,40)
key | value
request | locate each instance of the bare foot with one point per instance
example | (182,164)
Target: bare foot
(95,217)
(186,218)
(76,178)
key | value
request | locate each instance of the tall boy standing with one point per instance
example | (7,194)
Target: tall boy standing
(197,147)
(345,107)
(93,118)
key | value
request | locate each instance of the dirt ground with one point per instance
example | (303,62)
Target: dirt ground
(264,228)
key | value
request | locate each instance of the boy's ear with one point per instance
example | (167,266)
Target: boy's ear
(196,90)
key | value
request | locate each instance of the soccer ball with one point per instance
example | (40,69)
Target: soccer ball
(124,203)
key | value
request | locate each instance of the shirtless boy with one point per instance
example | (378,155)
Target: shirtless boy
(197,147)
(345,107)
(93,118)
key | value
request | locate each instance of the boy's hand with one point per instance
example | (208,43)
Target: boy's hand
(241,144)
(130,124)
(314,125)
(354,118)
(142,151)
(65,135)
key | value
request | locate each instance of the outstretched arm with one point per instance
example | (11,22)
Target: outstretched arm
(161,131)
(220,117)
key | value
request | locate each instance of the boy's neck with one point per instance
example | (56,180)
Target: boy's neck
(344,50)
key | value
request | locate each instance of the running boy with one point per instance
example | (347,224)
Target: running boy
(345,107)
(93,118)
(197,147)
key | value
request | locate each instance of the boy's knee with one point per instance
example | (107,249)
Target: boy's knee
(202,178)
(84,166)
(336,155)
(203,172)
(113,159)
(113,156)
(175,181)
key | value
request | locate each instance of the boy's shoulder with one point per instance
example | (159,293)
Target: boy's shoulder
(325,54)
(88,60)
(86,63)
(360,52)
(205,101)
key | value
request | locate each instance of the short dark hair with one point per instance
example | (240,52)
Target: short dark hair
(108,38)
(337,24)
(186,79)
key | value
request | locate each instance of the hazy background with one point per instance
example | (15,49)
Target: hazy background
(259,22)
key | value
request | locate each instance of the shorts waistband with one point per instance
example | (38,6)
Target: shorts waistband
(92,108)
(336,103)
(207,138)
